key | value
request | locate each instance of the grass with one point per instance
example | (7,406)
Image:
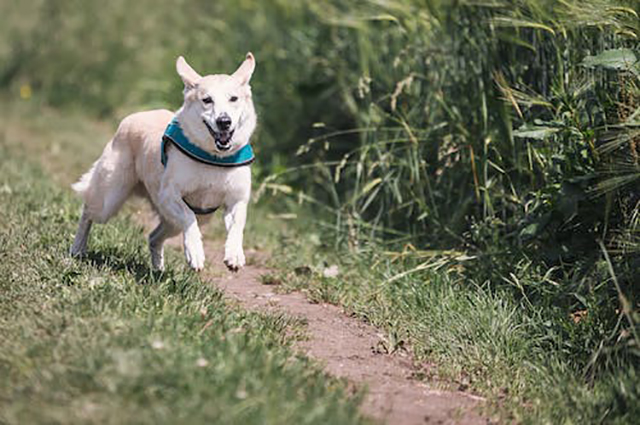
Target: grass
(523,358)
(105,340)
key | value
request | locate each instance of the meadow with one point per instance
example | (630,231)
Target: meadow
(470,166)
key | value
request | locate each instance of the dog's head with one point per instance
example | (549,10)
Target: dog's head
(218,108)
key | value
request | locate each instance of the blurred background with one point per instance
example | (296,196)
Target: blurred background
(505,132)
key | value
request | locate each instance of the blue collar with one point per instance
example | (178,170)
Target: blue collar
(174,134)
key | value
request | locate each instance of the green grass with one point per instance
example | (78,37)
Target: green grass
(105,340)
(532,362)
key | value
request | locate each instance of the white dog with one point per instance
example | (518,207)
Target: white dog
(187,164)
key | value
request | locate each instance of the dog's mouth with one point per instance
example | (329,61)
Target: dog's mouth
(222,138)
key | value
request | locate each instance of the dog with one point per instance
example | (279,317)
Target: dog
(187,164)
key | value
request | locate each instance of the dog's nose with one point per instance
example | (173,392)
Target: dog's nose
(223,122)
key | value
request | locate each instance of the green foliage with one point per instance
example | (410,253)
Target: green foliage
(506,131)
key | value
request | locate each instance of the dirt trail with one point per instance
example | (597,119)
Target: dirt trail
(347,348)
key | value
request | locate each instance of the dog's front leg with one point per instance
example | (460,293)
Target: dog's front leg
(235,218)
(176,212)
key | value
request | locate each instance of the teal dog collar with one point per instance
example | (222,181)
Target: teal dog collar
(173,134)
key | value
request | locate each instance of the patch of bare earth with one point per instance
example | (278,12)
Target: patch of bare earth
(348,348)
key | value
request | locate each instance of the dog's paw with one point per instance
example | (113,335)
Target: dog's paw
(77,251)
(195,257)
(234,259)
(194,251)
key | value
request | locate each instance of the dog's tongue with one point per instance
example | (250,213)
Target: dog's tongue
(224,137)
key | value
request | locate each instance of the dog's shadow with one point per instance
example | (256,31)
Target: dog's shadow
(119,262)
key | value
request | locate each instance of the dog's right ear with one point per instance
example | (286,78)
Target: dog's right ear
(189,76)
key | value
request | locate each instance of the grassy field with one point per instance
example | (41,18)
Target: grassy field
(105,340)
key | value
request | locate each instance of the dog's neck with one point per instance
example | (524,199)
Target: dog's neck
(194,129)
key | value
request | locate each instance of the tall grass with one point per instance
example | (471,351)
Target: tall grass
(505,131)
(508,133)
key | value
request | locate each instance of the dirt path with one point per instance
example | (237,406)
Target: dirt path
(347,348)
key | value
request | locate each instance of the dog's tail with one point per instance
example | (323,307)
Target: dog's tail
(82,186)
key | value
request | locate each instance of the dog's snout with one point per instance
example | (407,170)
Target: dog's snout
(223,122)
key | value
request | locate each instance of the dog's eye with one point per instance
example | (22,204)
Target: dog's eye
(233,98)
(207,100)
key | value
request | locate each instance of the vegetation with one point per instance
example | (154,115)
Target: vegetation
(471,166)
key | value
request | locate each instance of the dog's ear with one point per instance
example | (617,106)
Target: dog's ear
(188,75)
(245,70)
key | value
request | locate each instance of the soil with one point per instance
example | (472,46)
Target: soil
(348,348)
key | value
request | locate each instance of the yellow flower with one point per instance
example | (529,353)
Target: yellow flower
(25,91)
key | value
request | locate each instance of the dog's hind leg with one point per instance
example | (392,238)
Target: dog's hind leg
(157,238)
(110,181)
(104,188)
(79,246)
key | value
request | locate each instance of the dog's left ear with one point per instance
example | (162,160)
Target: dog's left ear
(244,72)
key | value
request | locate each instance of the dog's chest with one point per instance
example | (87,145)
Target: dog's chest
(206,186)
